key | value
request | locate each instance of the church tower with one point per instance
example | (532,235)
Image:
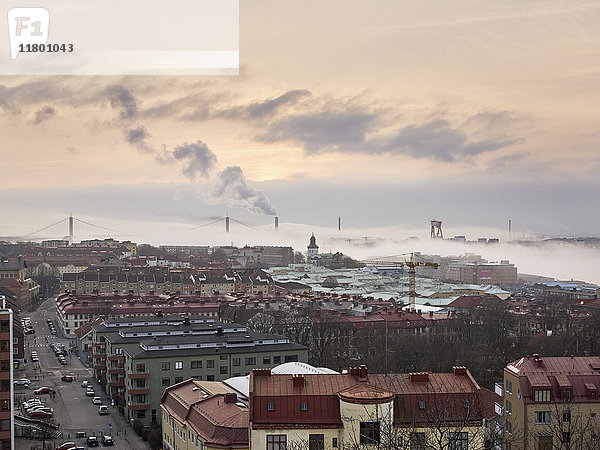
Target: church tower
(313,248)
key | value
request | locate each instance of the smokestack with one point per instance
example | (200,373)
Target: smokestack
(70,229)
(339,224)
(227,224)
(509,228)
(276,223)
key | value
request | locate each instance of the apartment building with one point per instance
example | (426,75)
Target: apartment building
(551,402)
(136,359)
(203,414)
(6,376)
(356,409)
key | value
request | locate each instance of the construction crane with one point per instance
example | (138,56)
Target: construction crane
(402,261)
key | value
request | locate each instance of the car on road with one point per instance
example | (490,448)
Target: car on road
(85,383)
(92,441)
(63,361)
(40,414)
(29,331)
(22,382)
(103,410)
(107,441)
(43,390)
(66,446)
(89,392)
(67,378)
(97,401)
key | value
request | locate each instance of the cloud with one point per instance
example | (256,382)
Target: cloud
(199,159)
(322,131)
(265,108)
(136,135)
(45,113)
(232,188)
(121,99)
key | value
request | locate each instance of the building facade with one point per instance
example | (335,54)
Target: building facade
(6,377)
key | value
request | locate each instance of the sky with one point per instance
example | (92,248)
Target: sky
(387,113)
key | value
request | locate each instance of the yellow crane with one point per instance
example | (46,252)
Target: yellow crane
(404,260)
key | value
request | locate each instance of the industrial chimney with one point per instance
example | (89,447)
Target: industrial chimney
(339,224)
(276,223)
(227,224)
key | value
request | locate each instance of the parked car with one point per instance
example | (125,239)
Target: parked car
(92,441)
(89,392)
(66,446)
(22,382)
(85,383)
(97,401)
(29,331)
(107,440)
(103,410)
(63,362)
(40,414)
(68,378)
(43,390)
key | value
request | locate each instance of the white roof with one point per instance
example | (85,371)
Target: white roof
(242,384)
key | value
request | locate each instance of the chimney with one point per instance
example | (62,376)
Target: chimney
(460,371)
(298,381)
(276,222)
(362,373)
(419,377)
(230,397)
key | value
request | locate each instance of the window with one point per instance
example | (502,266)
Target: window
(508,407)
(304,406)
(508,387)
(508,427)
(542,396)
(236,361)
(166,382)
(196,365)
(5,405)
(6,443)
(545,443)
(276,359)
(223,357)
(459,441)
(567,417)
(210,364)
(334,442)
(291,358)
(4,346)
(421,404)
(266,360)
(141,414)
(316,442)
(210,378)
(270,407)
(542,417)
(140,383)
(178,365)
(276,442)
(418,441)
(566,395)
(5,386)
(140,367)
(166,366)
(369,433)
(223,370)
(250,361)
(178,379)
(592,415)
(566,439)
(6,424)
(4,325)
(4,365)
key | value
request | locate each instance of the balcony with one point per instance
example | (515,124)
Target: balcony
(498,409)
(119,383)
(138,391)
(116,358)
(100,367)
(138,406)
(118,370)
(498,389)
(99,344)
(138,375)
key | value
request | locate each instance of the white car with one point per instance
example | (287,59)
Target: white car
(103,410)
(22,382)
(97,401)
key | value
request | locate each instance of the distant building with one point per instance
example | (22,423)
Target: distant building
(482,273)
(312,251)
(551,402)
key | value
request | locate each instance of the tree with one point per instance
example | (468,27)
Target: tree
(299,258)
(261,323)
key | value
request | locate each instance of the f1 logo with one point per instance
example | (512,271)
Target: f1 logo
(27,26)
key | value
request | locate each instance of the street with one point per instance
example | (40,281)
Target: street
(74,411)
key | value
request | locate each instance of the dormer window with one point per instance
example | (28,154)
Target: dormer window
(542,395)
(566,395)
